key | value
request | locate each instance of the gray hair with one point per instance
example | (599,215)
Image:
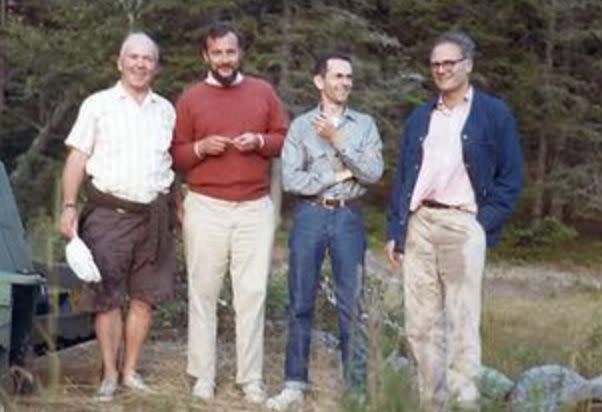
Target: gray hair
(460,39)
(139,37)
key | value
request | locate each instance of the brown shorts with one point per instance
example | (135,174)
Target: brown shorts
(118,241)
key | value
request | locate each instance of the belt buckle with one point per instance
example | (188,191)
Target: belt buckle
(324,202)
(121,211)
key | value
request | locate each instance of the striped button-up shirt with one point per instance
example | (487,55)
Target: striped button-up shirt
(310,162)
(127,143)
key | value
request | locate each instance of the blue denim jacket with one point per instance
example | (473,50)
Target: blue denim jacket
(492,156)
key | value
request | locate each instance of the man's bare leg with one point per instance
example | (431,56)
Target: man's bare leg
(108,326)
(137,324)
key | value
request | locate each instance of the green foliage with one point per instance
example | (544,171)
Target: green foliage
(46,244)
(277,295)
(173,313)
(35,189)
(374,222)
(548,232)
(544,60)
(588,356)
(393,394)
(551,242)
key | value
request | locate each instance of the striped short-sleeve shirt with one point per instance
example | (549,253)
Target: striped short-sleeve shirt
(127,143)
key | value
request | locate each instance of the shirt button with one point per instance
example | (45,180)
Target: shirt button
(465,137)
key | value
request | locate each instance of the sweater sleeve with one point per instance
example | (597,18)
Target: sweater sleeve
(277,127)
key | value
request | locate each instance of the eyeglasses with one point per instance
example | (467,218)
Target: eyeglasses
(446,64)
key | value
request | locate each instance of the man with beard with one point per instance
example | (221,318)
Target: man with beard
(457,180)
(120,140)
(330,154)
(229,126)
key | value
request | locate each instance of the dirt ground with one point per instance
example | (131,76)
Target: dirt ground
(163,366)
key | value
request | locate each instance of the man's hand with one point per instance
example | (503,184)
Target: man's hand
(68,222)
(343,175)
(247,142)
(211,145)
(393,256)
(324,127)
(73,176)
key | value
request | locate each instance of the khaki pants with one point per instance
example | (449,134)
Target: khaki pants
(222,236)
(443,269)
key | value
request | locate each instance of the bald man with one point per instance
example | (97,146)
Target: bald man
(120,142)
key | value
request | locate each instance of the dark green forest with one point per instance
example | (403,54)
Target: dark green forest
(543,57)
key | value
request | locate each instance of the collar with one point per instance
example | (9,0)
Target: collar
(347,113)
(212,81)
(439,105)
(122,93)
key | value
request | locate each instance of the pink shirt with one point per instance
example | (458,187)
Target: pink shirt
(443,176)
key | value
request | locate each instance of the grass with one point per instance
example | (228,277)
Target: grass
(524,331)
(577,253)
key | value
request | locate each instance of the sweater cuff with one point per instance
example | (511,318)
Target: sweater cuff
(261,139)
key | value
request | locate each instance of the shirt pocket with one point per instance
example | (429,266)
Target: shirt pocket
(317,157)
(111,133)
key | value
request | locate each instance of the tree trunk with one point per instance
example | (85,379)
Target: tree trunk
(558,196)
(3,76)
(284,84)
(540,179)
(540,184)
(40,142)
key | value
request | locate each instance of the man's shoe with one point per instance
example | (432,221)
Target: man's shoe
(467,406)
(106,390)
(134,381)
(254,392)
(284,399)
(203,390)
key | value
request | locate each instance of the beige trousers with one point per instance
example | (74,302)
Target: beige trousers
(219,237)
(443,269)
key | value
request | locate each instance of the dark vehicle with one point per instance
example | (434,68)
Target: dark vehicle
(36,309)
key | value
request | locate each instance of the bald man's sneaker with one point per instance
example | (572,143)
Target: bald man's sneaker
(106,390)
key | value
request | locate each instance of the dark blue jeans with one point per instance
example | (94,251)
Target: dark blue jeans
(341,233)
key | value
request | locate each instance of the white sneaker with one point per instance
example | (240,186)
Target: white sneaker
(254,392)
(106,390)
(284,399)
(134,381)
(203,390)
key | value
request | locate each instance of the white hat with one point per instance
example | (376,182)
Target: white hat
(81,261)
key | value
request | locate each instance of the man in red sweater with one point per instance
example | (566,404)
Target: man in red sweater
(228,128)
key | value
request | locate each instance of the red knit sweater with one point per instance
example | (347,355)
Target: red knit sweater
(204,110)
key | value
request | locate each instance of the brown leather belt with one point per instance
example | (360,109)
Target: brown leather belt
(433,204)
(334,203)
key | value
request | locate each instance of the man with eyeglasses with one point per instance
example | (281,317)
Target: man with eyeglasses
(457,179)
